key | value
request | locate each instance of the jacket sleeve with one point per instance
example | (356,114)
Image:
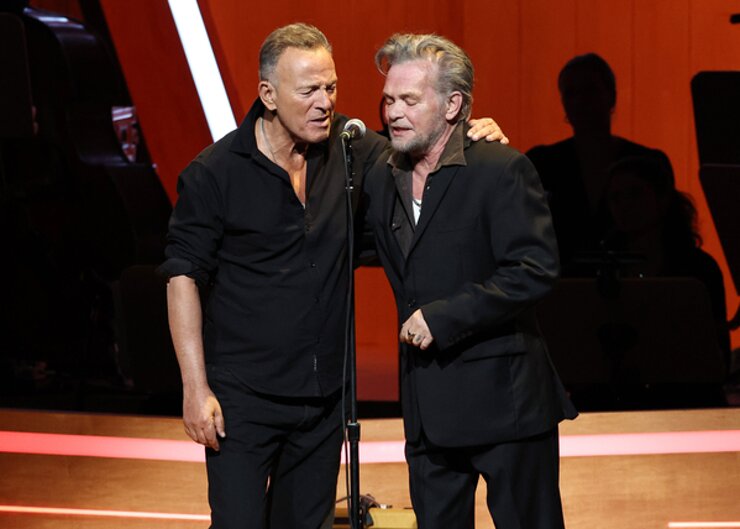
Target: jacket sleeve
(525,254)
(376,152)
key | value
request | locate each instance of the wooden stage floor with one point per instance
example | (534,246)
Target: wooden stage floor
(636,470)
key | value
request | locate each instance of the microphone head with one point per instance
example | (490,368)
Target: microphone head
(356,128)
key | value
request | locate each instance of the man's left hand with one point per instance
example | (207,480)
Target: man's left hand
(415,331)
(486,128)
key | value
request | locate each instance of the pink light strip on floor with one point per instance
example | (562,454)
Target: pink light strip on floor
(370,452)
(650,443)
(22,509)
(701,525)
(54,444)
(381,452)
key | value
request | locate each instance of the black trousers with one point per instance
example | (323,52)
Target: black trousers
(522,478)
(277,467)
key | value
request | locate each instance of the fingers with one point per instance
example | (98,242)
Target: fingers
(415,331)
(219,423)
(407,335)
(209,432)
(203,433)
(204,424)
(425,342)
(486,128)
(420,340)
(490,134)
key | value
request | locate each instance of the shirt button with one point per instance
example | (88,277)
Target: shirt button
(313,265)
(412,302)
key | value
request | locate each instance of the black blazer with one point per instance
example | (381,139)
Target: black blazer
(481,256)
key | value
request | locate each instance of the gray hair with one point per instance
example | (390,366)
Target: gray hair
(298,35)
(455,69)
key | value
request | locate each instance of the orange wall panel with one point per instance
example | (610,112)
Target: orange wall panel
(493,41)
(548,40)
(606,27)
(662,108)
(377,337)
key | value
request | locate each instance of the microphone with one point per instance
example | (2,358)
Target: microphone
(354,129)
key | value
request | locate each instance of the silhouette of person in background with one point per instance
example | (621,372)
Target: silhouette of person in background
(574,171)
(652,218)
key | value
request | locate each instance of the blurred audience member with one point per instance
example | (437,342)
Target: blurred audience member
(653,219)
(574,171)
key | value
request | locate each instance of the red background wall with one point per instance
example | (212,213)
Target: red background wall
(517,46)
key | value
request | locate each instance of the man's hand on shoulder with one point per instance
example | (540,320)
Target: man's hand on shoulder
(486,128)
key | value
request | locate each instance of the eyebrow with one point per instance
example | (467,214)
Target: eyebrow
(404,95)
(317,85)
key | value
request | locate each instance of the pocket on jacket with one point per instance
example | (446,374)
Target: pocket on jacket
(510,344)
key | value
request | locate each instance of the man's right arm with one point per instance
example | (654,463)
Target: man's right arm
(202,414)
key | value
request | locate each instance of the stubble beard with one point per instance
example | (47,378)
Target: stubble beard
(420,145)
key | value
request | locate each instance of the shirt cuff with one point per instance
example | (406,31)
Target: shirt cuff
(176,266)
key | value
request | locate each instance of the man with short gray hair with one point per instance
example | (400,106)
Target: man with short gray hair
(465,236)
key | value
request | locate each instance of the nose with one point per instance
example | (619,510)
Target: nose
(393,111)
(324,99)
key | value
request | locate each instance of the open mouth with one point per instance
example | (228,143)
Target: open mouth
(399,131)
(322,121)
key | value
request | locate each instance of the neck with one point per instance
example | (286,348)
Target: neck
(279,144)
(593,134)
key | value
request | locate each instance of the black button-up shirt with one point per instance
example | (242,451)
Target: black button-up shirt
(277,271)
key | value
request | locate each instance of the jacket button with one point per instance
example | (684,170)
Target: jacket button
(412,302)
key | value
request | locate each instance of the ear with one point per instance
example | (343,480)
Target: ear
(453,105)
(266,92)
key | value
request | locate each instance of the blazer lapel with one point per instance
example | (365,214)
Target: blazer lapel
(400,213)
(437,185)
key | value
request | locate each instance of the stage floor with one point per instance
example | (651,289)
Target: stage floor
(629,469)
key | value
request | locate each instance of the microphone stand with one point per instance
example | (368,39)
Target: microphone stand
(352,427)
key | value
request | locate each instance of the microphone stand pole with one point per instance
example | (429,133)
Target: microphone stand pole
(352,426)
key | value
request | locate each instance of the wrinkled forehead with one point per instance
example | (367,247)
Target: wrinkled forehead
(314,63)
(417,75)
(316,56)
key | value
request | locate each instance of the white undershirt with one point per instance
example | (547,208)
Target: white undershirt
(417,209)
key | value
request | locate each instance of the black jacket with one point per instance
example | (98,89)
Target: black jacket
(480,257)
